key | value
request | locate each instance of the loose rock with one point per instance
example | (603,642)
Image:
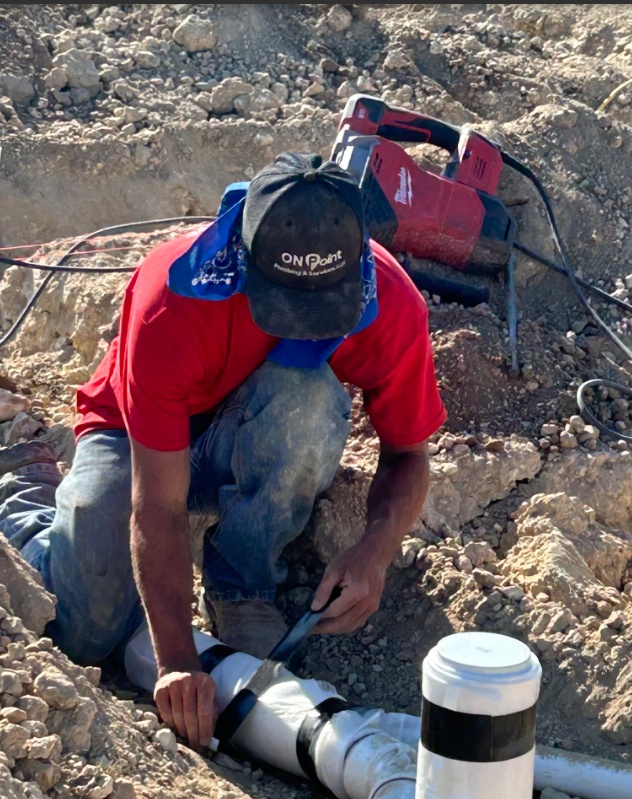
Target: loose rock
(56,689)
(195,34)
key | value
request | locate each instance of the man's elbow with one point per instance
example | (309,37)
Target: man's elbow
(416,454)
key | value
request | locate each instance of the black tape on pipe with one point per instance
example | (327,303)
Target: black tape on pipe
(235,713)
(212,657)
(311,728)
(477,739)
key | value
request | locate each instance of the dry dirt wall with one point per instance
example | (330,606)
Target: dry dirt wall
(54,188)
(116,113)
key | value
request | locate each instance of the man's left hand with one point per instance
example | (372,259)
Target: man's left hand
(361,577)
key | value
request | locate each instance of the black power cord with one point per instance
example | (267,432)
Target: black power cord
(576,283)
(585,413)
(105,270)
(59,267)
(106,231)
(568,271)
(603,295)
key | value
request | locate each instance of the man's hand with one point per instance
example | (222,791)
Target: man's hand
(395,501)
(360,575)
(186,701)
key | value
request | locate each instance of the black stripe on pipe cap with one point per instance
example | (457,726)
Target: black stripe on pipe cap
(477,739)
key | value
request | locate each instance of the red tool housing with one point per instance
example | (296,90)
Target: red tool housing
(452,217)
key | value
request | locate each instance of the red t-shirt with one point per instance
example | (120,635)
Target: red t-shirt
(176,357)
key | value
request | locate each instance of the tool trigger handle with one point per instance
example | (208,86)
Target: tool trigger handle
(369,116)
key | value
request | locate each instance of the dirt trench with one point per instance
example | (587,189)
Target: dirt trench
(106,119)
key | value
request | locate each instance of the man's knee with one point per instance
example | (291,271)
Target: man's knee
(89,632)
(87,563)
(302,398)
(293,433)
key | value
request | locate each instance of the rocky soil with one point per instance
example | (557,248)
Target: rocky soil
(118,113)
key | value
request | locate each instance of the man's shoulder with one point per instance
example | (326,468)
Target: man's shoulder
(162,256)
(151,283)
(383,257)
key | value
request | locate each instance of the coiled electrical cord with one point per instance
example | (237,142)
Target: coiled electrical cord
(584,412)
(588,416)
(59,267)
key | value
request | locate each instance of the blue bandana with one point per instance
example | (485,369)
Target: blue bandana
(214,268)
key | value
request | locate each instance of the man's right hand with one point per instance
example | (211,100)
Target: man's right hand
(187,703)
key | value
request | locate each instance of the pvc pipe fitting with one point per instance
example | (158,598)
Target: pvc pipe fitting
(479,695)
(351,755)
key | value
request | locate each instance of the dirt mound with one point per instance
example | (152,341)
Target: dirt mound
(117,113)
(61,730)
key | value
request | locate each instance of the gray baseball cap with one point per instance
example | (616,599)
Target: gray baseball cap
(303,225)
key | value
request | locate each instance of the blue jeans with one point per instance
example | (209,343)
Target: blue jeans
(273,446)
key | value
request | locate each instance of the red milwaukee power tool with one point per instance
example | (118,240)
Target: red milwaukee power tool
(453,218)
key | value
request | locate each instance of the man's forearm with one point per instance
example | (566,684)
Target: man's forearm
(396,498)
(161,556)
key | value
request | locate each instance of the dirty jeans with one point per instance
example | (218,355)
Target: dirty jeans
(273,446)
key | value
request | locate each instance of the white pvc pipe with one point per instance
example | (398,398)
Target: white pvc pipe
(404,727)
(352,756)
(372,762)
(570,773)
(355,759)
(367,754)
(579,775)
